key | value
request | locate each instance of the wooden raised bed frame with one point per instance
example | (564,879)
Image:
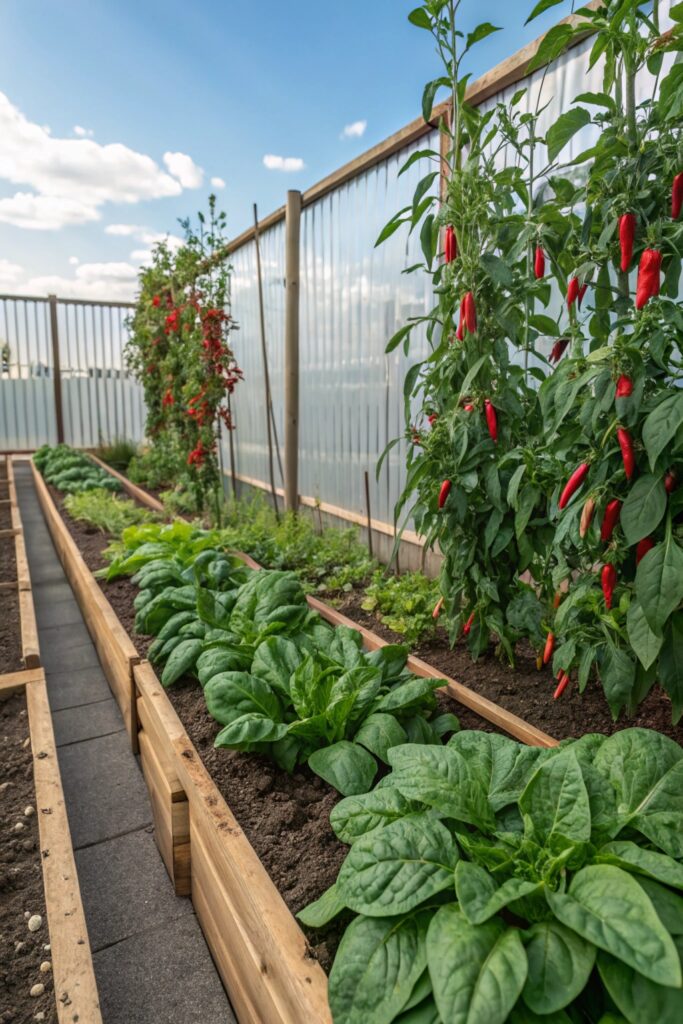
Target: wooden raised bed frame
(259,949)
(75,988)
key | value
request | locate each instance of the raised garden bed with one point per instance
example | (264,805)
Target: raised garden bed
(270,970)
(47,963)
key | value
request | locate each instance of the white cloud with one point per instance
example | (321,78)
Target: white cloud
(74,261)
(9,273)
(355,130)
(143,234)
(141,256)
(184,169)
(218,183)
(83,133)
(122,229)
(113,281)
(71,179)
(283,163)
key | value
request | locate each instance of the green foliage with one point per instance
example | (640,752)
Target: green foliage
(496,882)
(72,472)
(106,511)
(158,467)
(118,454)
(404,603)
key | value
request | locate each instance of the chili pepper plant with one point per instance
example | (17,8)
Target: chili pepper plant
(180,351)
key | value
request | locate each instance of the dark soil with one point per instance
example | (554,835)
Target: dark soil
(21,878)
(5,513)
(10,624)
(524,690)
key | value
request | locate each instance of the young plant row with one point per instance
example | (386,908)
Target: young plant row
(275,676)
(72,472)
(551,484)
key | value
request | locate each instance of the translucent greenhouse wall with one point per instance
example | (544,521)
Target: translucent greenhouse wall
(100,401)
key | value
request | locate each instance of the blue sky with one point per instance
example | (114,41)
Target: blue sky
(214,86)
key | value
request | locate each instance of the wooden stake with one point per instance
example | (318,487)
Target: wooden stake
(292,232)
(266,372)
(367,508)
(56,371)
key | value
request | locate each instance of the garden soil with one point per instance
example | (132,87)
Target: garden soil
(10,622)
(22,951)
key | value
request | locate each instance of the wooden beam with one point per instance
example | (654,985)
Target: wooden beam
(12,682)
(56,368)
(72,967)
(292,238)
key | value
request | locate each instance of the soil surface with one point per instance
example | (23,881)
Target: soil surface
(10,623)
(524,690)
(22,951)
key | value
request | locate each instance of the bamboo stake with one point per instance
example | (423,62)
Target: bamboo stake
(266,372)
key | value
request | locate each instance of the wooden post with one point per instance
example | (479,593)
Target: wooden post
(266,372)
(56,371)
(369,513)
(292,226)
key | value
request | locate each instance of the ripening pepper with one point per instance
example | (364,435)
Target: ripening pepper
(649,271)
(644,545)
(627,230)
(437,608)
(624,386)
(444,492)
(470,313)
(670,482)
(582,291)
(610,519)
(572,291)
(450,245)
(491,420)
(549,648)
(677,196)
(558,349)
(539,263)
(608,580)
(432,418)
(468,407)
(557,600)
(468,625)
(562,682)
(626,445)
(460,333)
(573,484)
(586,517)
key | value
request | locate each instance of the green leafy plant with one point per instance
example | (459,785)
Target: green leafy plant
(106,511)
(496,882)
(118,454)
(404,603)
(72,472)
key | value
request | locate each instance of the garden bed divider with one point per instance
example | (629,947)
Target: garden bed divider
(114,647)
(132,489)
(22,584)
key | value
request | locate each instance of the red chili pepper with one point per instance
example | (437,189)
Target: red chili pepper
(460,333)
(470,313)
(444,492)
(572,291)
(549,648)
(468,625)
(644,545)
(437,608)
(558,350)
(624,386)
(677,196)
(563,680)
(432,418)
(416,439)
(491,420)
(670,482)
(627,231)
(469,407)
(608,580)
(649,271)
(168,398)
(610,519)
(586,517)
(573,484)
(582,291)
(156,301)
(539,263)
(626,445)
(557,600)
(450,245)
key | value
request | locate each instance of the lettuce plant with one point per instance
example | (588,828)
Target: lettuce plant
(496,882)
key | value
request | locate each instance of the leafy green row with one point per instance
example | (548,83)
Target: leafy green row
(276,677)
(496,882)
(72,472)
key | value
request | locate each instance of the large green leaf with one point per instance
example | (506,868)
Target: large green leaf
(397,867)
(628,855)
(275,661)
(609,908)
(378,962)
(346,766)
(480,896)
(564,128)
(560,964)
(477,971)
(230,695)
(617,675)
(644,642)
(555,801)
(662,425)
(501,766)
(182,659)
(356,816)
(671,663)
(440,777)
(638,998)
(643,509)
(379,733)
(323,910)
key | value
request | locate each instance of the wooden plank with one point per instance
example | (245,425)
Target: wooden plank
(8,533)
(171,817)
(30,646)
(9,585)
(259,948)
(72,968)
(11,682)
(115,649)
(23,575)
(132,489)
